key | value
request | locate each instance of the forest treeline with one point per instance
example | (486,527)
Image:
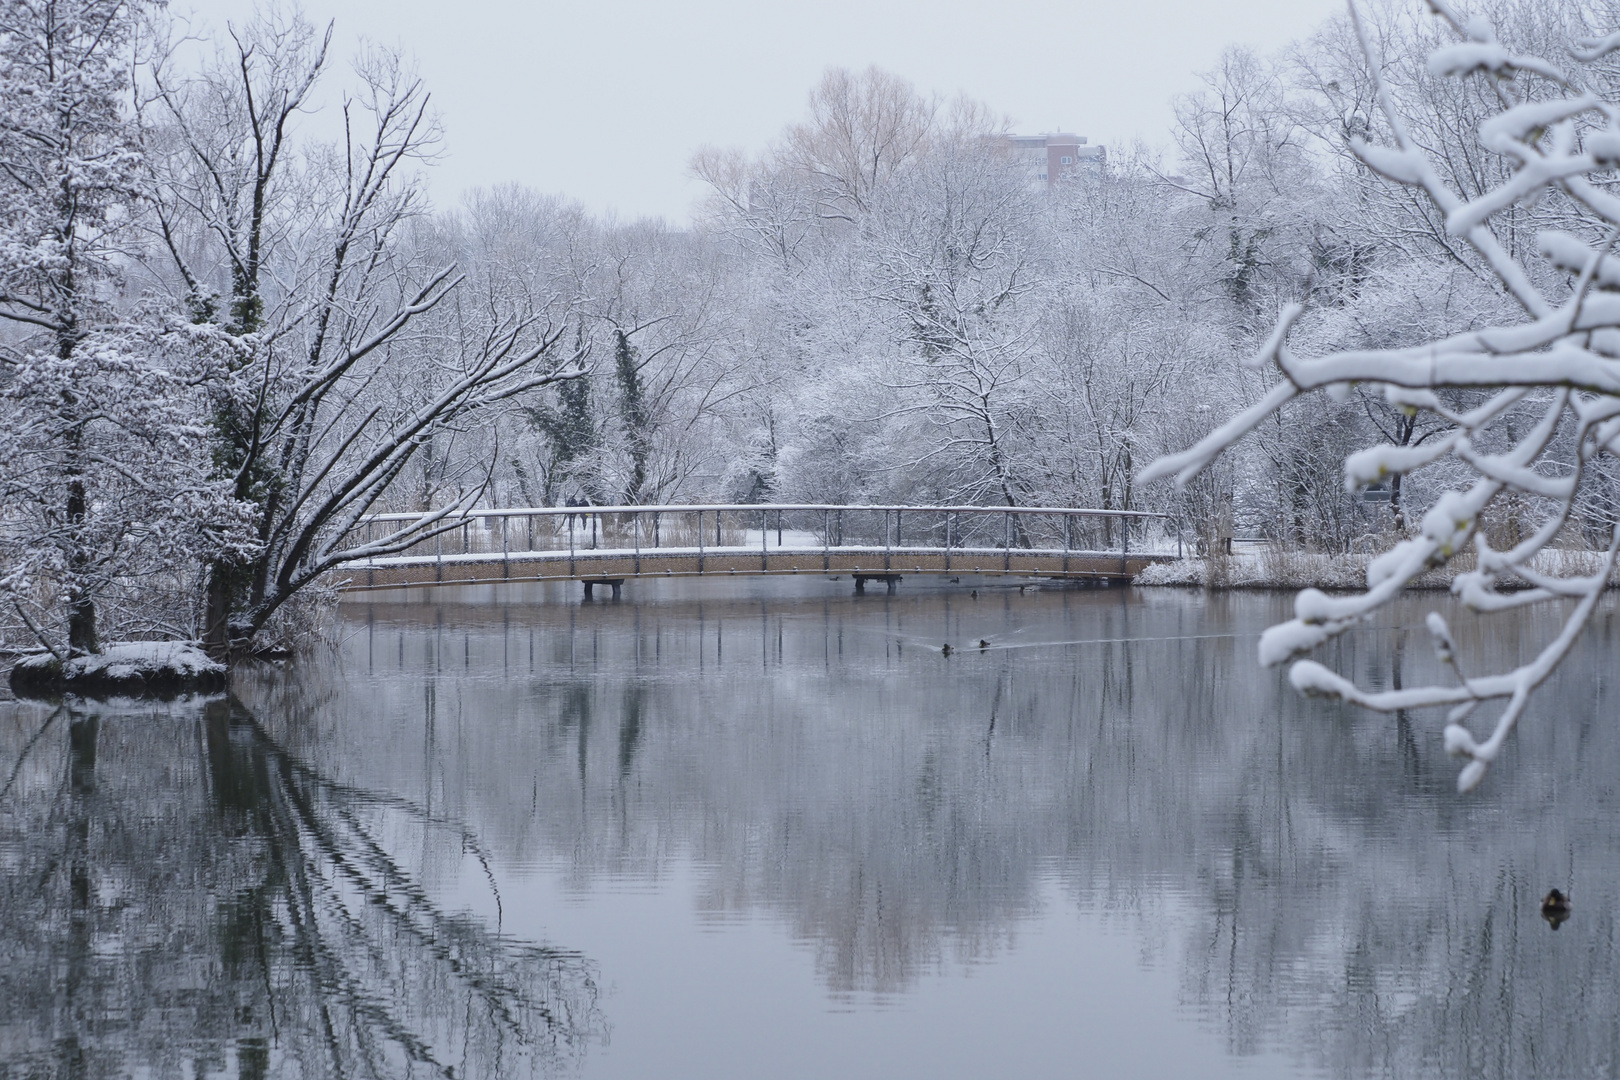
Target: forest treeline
(225,338)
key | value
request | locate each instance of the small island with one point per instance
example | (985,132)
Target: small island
(128,669)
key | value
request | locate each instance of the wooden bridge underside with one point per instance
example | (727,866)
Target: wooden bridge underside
(876,563)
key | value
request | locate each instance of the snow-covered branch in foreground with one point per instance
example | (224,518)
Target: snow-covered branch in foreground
(1558,369)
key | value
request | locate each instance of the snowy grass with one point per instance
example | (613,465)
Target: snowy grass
(1278,568)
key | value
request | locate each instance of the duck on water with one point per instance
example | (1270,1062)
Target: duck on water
(1555,908)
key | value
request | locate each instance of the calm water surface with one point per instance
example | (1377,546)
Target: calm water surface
(769,830)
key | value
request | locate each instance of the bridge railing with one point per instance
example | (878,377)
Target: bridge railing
(771,527)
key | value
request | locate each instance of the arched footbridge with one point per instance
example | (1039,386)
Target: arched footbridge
(608,545)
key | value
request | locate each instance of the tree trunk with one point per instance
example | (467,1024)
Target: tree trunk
(217,610)
(82,636)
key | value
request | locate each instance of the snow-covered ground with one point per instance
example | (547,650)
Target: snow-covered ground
(1273,569)
(131,667)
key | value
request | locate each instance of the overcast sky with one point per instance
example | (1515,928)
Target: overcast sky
(605,100)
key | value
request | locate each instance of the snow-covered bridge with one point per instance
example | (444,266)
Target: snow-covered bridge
(606,545)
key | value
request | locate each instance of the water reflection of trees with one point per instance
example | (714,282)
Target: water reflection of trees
(182,895)
(1311,869)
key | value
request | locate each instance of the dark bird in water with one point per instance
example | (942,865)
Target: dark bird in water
(984,643)
(1555,908)
(946,649)
(956,581)
(974,594)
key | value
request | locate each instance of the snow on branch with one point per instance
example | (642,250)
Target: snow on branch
(1561,364)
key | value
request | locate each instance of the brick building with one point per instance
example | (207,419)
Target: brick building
(1052,155)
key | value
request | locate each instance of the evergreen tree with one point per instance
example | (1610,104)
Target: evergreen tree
(102,475)
(569,428)
(634,414)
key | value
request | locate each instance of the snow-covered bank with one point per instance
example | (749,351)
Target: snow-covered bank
(133,668)
(1277,569)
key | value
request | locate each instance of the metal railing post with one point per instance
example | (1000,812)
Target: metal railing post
(700,537)
(1006,542)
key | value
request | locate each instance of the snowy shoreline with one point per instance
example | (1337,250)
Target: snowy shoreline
(1271,569)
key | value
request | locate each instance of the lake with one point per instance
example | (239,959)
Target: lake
(765,828)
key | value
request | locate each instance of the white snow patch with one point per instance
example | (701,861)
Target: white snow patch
(1304,570)
(135,658)
(1261,571)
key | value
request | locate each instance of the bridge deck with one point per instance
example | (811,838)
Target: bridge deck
(614,564)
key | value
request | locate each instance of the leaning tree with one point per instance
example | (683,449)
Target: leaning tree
(301,256)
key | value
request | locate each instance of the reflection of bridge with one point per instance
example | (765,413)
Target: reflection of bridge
(605,545)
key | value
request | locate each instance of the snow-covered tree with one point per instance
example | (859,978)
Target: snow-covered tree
(103,467)
(953,259)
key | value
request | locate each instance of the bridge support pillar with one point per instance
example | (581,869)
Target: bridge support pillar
(890,580)
(614,583)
